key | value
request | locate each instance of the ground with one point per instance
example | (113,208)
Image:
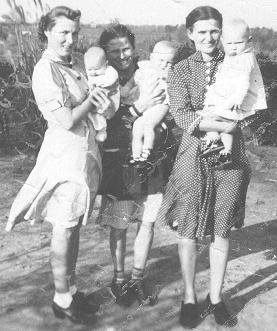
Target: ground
(250,288)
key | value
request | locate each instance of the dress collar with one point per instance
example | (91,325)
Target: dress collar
(197,56)
(51,55)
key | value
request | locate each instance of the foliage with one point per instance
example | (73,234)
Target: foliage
(18,110)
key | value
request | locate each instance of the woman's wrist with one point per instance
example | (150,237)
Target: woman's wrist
(135,111)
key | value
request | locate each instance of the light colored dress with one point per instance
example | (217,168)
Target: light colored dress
(64,182)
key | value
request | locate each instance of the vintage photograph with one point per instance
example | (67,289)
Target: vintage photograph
(138,165)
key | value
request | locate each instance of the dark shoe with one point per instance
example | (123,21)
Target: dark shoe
(139,292)
(189,315)
(219,310)
(73,313)
(120,292)
(84,304)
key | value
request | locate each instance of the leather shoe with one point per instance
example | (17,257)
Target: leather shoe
(84,304)
(219,311)
(189,315)
(72,313)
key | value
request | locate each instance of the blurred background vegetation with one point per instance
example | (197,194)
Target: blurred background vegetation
(21,124)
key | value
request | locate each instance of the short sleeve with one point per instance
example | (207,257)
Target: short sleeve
(49,88)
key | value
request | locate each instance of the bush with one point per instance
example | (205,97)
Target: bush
(21,124)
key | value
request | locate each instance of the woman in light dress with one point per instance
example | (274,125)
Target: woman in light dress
(62,186)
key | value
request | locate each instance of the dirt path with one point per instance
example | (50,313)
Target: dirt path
(250,288)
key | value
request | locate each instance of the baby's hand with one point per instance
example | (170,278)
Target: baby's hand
(233,105)
(236,107)
(100,111)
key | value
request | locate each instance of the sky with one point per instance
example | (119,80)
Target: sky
(257,13)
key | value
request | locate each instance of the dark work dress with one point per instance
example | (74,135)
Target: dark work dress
(122,181)
(198,200)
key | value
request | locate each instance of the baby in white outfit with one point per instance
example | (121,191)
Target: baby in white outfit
(100,74)
(238,91)
(161,59)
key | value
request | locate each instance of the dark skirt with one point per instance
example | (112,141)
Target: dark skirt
(201,201)
(123,181)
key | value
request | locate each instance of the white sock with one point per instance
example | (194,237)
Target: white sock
(73,289)
(63,299)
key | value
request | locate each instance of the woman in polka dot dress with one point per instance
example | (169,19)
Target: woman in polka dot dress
(199,199)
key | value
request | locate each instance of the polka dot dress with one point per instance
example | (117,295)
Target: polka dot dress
(198,200)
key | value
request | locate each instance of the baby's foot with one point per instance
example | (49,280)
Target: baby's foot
(223,160)
(101,136)
(212,147)
(145,154)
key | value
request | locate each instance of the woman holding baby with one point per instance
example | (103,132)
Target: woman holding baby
(127,197)
(62,187)
(200,199)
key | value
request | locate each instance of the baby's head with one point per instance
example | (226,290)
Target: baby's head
(235,36)
(95,61)
(164,54)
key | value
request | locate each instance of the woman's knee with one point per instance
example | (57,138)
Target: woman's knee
(186,241)
(117,234)
(220,243)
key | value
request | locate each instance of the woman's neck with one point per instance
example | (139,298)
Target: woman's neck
(126,74)
(208,57)
(65,59)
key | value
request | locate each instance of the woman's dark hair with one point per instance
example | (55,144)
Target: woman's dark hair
(116,30)
(203,13)
(48,20)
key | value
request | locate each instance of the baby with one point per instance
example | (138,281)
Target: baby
(100,74)
(161,59)
(238,91)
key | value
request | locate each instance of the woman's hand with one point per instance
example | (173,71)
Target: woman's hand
(103,105)
(230,126)
(151,94)
(218,124)
(209,116)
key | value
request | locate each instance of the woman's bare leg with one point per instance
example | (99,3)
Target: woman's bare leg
(118,247)
(219,250)
(187,255)
(74,254)
(143,243)
(60,255)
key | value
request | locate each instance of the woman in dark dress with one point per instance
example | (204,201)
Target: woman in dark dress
(129,197)
(199,199)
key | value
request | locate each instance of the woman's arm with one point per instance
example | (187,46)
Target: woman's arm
(68,118)
(212,124)
(179,98)
(53,97)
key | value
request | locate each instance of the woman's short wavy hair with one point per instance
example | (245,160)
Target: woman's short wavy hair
(116,30)
(203,13)
(48,20)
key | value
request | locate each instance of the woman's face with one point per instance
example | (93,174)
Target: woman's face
(120,53)
(63,37)
(205,35)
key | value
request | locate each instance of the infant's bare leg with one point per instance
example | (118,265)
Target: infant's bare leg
(152,118)
(101,135)
(137,139)
(227,140)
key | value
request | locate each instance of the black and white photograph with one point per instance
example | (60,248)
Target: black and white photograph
(138,165)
